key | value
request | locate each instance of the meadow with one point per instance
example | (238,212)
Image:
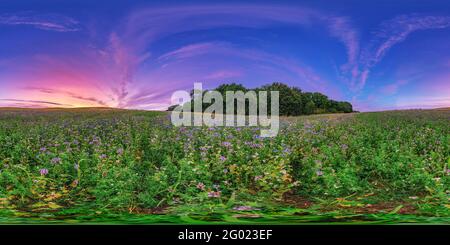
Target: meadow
(99,165)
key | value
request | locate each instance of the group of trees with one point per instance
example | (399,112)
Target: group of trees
(292,100)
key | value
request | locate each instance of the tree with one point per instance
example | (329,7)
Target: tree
(310,107)
(293,101)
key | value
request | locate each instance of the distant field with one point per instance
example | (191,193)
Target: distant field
(118,166)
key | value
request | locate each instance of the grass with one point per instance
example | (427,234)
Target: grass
(100,165)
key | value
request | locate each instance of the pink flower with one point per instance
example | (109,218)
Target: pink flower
(43,171)
(201,186)
(214,194)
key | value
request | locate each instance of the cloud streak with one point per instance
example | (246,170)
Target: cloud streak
(37,102)
(48,22)
(70,94)
(391,33)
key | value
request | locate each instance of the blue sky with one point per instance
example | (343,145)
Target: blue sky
(378,55)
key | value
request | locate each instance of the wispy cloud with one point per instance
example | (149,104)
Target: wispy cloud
(392,88)
(224,74)
(49,22)
(393,32)
(36,102)
(70,94)
(342,28)
(190,50)
(131,40)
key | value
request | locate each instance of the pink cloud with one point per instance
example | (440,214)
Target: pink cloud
(392,88)
(223,74)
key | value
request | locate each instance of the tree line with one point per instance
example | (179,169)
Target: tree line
(292,100)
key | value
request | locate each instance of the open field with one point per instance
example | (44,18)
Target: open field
(117,166)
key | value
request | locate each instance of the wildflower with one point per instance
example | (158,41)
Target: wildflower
(226,144)
(214,194)
(216,186)
(414,197)
(120,151)
(43,171)
(95,141)
(258,177)
(201,186)
(223,159)
(43,149)
(74,183)
(344,146)
(56,160)
(319,173)
(225,171)
(244,208)
(102,156)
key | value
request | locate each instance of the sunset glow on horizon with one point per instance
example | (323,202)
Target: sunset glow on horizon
(135,54)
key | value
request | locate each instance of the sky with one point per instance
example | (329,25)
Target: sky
(378,55)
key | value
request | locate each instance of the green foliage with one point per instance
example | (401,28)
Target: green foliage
(292,101)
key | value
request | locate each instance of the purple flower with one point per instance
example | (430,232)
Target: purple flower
(102,156)
(43,149)
(56,160)
(244,208)
(258,177)
(95,141)
(223,159)
(120,151)
(214,194)
(226,144)
(43,171)
(319,172)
